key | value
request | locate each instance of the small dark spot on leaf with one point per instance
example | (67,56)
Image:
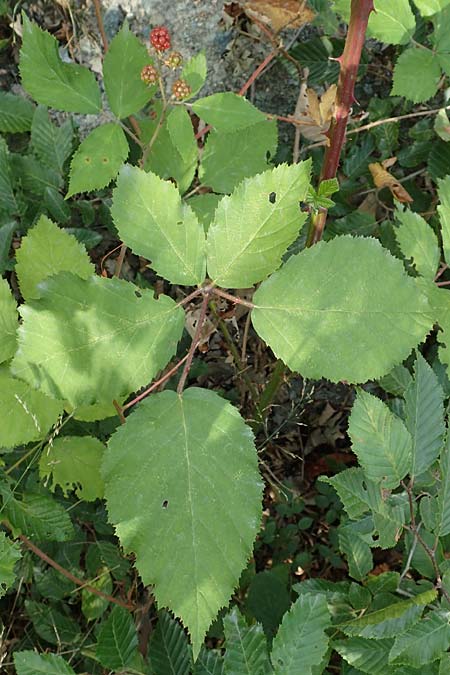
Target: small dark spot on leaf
(180,222)
(137,294)
(105,160)
(87,160)
(165,504)
(273,197)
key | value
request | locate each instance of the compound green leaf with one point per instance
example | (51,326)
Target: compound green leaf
(194,73)
(45,251)
(380,440)
(228,158)
(191,460)
(246,647)
(443,500)
(32,663)
(8,322)
(255,225)
(98,159)
(151,218)
(418,241)
(9,555)
(122,66)
(227,111)
(416,74)
(209,662)
(49,80)
(38,516)
(95,340)
(74,462)
(424,408)
(301,641)
(117,640)
(312,312)
(430,7)
(369,656)
(424,642)
(169,648)
(444,214)
(389,621)
(16,113)
(51,143)
(27,414)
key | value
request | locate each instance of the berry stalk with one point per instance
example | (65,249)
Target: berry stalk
(349,63)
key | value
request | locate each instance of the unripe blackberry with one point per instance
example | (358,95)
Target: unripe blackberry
(149,75)
(174,60)
(160,38)
(180,89)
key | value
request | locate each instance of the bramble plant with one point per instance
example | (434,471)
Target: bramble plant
(84,368)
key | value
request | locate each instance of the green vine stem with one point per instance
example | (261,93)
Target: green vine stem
(345,97)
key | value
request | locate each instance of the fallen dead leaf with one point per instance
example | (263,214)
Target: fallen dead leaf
(383,179)
(317,112)
(279,14)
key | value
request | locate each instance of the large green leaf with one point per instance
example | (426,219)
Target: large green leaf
(301,641)
(380,440)
(9,555)
(95,340)
(151,218)
(117,640)
(443,500)
(16,113)
(45,251)
(27,414)
(328,301)
(391,620)
(191,460)
(98,159)
(8,322)
(122,66)
(51,143)
(424,409)
(227,111)
(51,81)
(255,225)
(32,663)
(229,158)
(444,214)
(418,241)
(369,656)
(74,462)
(246,647)
(169,648)
(416,75)
(424,642)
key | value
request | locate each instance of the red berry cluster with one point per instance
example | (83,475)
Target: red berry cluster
(149,75)
(160,38)
(180,89)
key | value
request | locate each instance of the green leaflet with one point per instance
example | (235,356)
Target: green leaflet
(301,641)
(122,66)
(390,23)
(209,662)
(444,214)
(227,111)
(357,494)
(9,554)
(45,251)
(380,440)
(424,642)
(424,408)
(356,549)
(50,81)
(255,225)
(92,606)
(98,159)
(95,340)
(169,648)
(16,113)
(32,663)
(440,299)
(370,656)
(246,647)
(416,75)
(51,143)
(194,73)
(152,220)
(228,158)
(27,414)
(8,202)
(204,207)
(430,7)
(74,462)
(38,516)
(443,500)
(418,241)
(52,625)
(442,125)
(199,523)
(313,314)
(117,640)
(34,177)
(8,322)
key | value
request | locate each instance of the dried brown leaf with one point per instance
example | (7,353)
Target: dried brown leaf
(383,179)
(280,14)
